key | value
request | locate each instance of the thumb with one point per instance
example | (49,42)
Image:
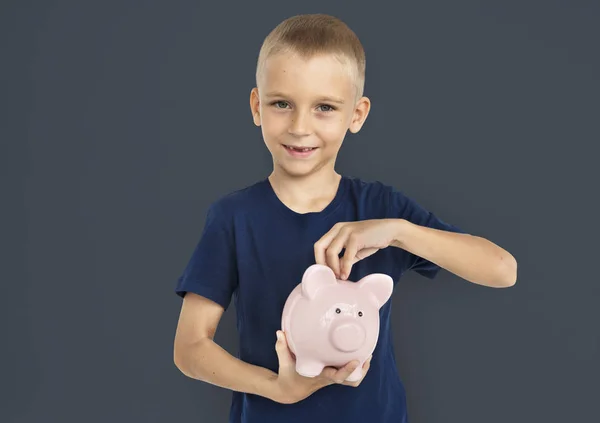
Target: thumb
(283,352)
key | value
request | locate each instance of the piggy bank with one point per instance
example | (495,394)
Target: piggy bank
(330,322)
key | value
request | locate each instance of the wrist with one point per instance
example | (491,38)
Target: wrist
(289,393)
(276,391)
(399,228)
(273,389)
(265,384)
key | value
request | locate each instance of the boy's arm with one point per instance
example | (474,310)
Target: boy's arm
(470,257)
(197,356)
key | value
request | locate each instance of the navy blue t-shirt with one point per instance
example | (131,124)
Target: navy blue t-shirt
(254,250)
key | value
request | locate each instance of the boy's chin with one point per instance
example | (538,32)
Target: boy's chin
(299,170)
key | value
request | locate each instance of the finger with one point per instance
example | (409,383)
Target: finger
(353,384)
(321,245)
(327,375)
(342,374)
(365,368)
(283,352)
(350,254)
(365,252)
(350,258)
(335,248)
(367,365)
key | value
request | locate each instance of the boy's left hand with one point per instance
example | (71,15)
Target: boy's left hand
(359,239)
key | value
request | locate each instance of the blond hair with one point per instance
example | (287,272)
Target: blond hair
(315,34)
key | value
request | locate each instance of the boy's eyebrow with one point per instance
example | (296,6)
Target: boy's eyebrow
(322,98)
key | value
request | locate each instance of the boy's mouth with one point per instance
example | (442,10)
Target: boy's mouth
(300,149)
(299,152)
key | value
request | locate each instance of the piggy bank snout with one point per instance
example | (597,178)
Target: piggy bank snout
(348,336)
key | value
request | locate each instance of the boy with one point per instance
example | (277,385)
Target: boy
(258,241)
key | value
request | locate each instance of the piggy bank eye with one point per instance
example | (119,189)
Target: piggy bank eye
(360,314)
(338,311)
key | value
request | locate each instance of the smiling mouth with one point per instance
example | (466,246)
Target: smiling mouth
(299,149)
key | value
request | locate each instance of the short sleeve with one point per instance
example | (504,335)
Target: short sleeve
(404,207)
(212,270)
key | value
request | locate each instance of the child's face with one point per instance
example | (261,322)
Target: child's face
(292,108)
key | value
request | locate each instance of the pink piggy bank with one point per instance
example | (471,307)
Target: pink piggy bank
(330,322)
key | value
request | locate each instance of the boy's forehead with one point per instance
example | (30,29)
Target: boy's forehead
(317,75)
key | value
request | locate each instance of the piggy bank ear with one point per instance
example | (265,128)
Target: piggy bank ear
(380,287)
(316,277)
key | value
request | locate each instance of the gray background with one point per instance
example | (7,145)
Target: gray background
(123,120)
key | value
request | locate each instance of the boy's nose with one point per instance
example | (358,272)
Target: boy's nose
(300,125)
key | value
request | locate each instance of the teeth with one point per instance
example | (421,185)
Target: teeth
(301,149)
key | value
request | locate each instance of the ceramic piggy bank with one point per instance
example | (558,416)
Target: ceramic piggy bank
(330,322)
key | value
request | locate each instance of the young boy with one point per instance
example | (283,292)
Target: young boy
(258,241)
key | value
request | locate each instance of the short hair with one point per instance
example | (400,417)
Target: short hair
(309,35)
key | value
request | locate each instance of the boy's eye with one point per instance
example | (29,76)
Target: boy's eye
(323,107)
(278,103)
(327,106)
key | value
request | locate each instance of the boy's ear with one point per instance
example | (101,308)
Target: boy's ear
(255,106)
(361,111)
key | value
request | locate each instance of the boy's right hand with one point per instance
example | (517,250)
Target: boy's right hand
(292,387)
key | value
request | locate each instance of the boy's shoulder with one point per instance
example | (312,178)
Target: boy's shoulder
(370,188)
(240,199)
(243,201)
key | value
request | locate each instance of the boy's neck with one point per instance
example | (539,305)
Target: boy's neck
(305,194)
